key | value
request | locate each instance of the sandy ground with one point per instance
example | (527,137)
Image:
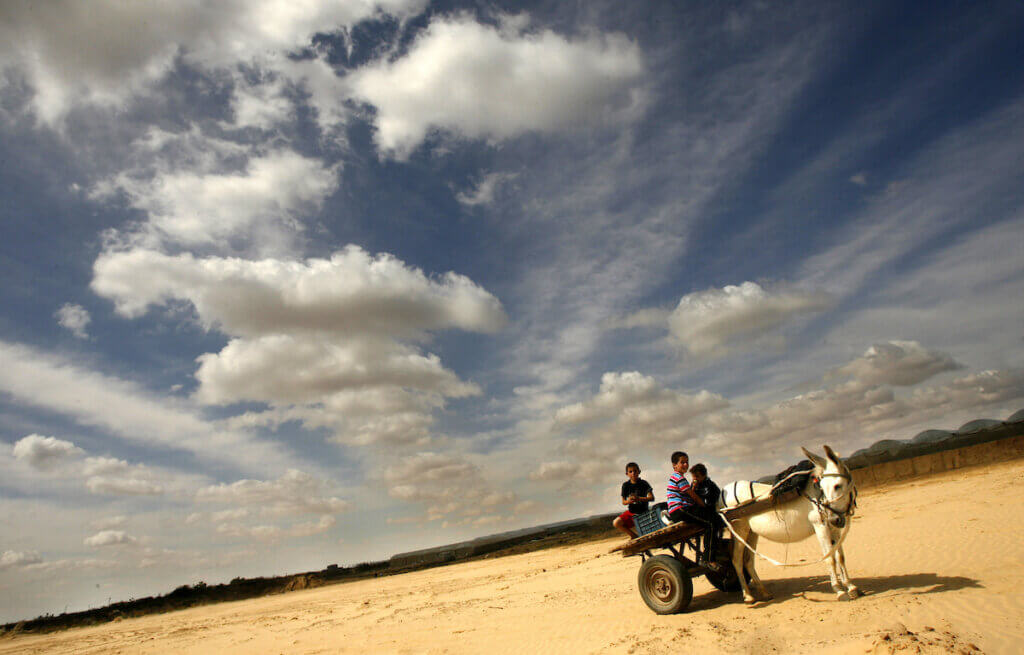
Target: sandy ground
(941,561)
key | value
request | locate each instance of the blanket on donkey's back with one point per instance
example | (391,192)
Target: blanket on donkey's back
(800,472)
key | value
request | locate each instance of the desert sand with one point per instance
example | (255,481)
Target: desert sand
(939,559)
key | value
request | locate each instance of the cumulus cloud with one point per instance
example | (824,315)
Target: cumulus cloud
(42,453)
(17,558)
(639,400)
(250,369)
(900,363)
(497,82)
(106,51)
(110,538)
(74,318)
(195,206)
(716,320)
(560,470)
(324,341)
(350,293)
(117,477)
(293,493)
(448,484)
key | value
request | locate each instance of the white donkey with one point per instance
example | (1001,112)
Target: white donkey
(823,508)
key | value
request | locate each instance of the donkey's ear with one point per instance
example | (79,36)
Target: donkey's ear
(817,460)
(832,455)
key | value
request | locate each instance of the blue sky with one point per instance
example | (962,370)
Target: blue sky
(287,287)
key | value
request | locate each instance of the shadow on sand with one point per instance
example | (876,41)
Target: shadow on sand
(789,588)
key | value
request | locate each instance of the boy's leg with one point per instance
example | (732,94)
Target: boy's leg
(624,524)
(692,517)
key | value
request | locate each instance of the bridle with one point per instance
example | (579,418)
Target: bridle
(839,516)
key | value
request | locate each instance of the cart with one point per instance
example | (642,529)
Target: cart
(665,580)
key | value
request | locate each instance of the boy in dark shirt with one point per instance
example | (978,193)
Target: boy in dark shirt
(636,493)
(709,493)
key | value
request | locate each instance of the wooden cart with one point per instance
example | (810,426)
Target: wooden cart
(665,581)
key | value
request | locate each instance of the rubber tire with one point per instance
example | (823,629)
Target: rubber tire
(665,585)
(727,581)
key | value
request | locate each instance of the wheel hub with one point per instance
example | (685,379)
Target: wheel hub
(662,586)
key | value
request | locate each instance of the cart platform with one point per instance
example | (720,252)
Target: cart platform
(682,531)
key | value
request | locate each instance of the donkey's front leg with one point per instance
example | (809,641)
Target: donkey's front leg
(840,558)
(824,534)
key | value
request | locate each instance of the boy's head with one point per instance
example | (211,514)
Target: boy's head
(633,471)
(699,472)
(680,461)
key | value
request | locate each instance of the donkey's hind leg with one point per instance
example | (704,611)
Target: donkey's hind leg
(751,566)
(739,559)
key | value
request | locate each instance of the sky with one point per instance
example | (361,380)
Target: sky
(292,284)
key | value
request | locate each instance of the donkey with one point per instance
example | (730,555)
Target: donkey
(823,508)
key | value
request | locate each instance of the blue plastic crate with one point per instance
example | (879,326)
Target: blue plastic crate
(650,520)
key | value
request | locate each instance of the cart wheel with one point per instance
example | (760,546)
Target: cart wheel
(664,585)
(727,580)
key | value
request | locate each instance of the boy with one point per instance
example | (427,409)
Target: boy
(636,493)
(709,492)
(683,502)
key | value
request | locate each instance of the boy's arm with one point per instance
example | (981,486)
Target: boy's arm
(693,494)
(626,500)
(650,494)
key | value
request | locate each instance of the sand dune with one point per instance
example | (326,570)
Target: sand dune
(940,560)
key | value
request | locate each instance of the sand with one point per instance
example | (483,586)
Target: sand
(939,559)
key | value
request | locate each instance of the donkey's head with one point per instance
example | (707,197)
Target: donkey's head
(834,478)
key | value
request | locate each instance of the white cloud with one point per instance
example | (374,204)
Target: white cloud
(854,413)
(900,363)
(74,318)
(712,321)
(322,341)
(860,179)
(559,470)
(112,476)
(106,51)
(639,400)
(71,565)
(44,452)
(293,493)
(195,206)
(110,538)
(483,81)
(57,384)
(109,522)
(448,484)
(120,486)
(17,558)
(349,294)
(484,191)
(285,369)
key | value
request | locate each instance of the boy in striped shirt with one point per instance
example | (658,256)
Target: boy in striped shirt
(683,502)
